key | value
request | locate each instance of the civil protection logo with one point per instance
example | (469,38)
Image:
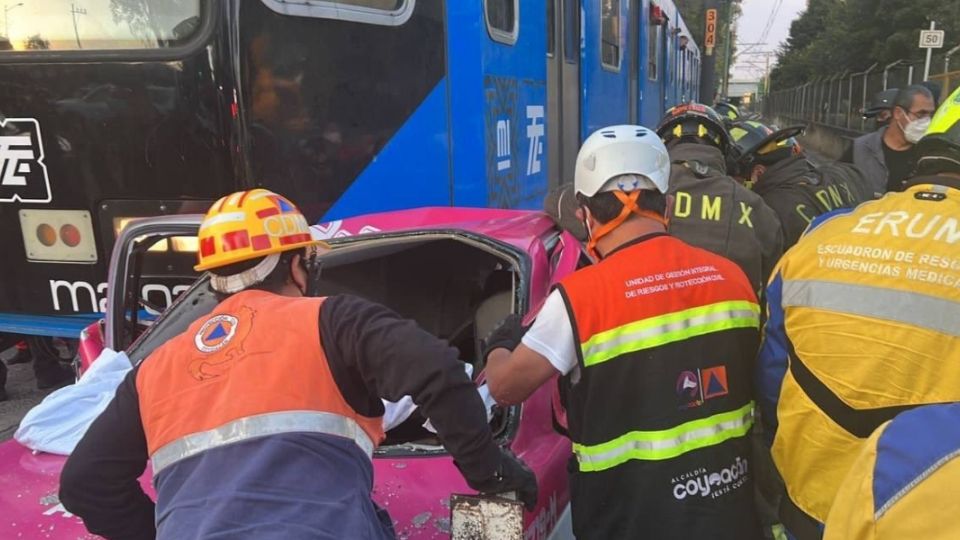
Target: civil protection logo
(714,382)
(216,333)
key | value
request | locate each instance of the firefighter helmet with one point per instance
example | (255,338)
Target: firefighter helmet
(694,121)
(754,143)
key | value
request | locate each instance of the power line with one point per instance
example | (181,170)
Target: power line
(774,11)
(767,26)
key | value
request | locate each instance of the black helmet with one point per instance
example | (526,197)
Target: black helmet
(694,121)
(882,101)
(728,111)
(755,143)
(939,149)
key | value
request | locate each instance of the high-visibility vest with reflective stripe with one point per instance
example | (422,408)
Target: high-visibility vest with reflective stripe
(661,401)
(870,304)
(254,367)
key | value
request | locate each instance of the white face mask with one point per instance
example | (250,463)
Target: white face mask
(915,130)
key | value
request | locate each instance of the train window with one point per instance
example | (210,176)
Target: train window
(102,25)
(551,28)
(610,34)
(571,31)
(382,12)
(503,20)
(653,51)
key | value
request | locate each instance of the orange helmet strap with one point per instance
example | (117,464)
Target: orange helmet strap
(629,207)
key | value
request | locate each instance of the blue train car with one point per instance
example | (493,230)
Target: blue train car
(612,62)
(124,109)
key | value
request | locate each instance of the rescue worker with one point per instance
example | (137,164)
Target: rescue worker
(901,484)
(862,325)
(261,419)
(887,156)
(935,89)
(711,209)
(776,167)
(47,369)
(654,344)
(728,111)
(561,205)
(881,108)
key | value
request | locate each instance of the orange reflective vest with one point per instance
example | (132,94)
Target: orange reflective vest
(253,367)
(660,404)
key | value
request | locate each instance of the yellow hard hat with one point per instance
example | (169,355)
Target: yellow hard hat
(250,224)
(939,149)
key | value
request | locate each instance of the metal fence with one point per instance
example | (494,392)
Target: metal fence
(839,100)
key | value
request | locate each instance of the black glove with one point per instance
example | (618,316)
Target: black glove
(512,475)
(506,335)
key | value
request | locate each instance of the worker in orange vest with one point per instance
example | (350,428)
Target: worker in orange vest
(655,344)
(261,419)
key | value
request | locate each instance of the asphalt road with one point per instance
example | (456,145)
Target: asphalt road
(22,392)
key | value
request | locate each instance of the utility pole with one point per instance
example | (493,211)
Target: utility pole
(74,11)
(728,47)
(6,17)
(766,78)
(708,65)
(926,67)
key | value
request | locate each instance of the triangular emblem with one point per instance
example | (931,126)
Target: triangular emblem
(284,206)
(217,333)
(715,382)
(716,387)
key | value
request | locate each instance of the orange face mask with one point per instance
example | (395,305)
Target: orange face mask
(629,207)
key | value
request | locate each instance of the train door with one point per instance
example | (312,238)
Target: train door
(651,65)
(632,58)
(666,58)
(554,120)
(563,88)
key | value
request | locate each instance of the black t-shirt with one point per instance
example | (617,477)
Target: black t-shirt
(900,165)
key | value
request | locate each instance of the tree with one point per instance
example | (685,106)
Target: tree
(834,35)
(36,43)
(694,15)
(693,12)
(140,17)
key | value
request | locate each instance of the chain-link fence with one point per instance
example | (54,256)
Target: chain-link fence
(839,100)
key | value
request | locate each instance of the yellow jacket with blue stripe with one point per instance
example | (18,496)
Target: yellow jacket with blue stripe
(863,323)
(903,482)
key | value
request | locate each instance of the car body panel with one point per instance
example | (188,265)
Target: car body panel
(414,489)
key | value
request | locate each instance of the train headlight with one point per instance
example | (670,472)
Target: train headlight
(58,236)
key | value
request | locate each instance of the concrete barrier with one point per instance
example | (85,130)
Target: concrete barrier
(828,141)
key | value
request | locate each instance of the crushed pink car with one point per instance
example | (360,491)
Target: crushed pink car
(457,272)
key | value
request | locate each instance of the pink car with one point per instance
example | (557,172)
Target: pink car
(455,271)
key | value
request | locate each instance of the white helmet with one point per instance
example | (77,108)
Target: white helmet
(634,152)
